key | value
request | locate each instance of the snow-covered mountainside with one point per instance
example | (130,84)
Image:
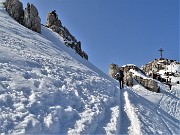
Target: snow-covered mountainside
(46,88)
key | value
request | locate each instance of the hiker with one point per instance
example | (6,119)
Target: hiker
(170,85)
(119,77)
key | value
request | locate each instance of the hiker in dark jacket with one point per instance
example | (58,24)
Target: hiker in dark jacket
(120,76)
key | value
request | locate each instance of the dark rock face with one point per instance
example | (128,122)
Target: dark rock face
(55,24)
(15,9)
(31,18)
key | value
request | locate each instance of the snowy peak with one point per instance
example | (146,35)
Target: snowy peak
(165,69)
(161,64)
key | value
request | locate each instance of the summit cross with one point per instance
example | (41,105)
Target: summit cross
(161,50)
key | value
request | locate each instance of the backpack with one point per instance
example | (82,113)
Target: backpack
(119,75)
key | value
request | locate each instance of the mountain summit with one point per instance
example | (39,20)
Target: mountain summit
(47,88)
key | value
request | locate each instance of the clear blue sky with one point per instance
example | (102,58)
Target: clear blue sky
(119,31)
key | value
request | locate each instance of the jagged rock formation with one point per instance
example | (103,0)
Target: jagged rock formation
(55,24)
(31,18)
(148,84)
(15,9)
(52,20)
(156,65)
(128,77)
(113,69)
(152,69)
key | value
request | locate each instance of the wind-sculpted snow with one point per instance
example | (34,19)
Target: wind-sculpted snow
(46,88)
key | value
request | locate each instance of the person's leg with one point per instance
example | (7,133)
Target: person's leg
(120,84)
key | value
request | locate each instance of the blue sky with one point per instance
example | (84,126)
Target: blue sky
(119,31)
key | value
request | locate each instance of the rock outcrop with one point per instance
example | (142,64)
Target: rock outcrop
(15,9)
(28,17)
(149,84)
(156,65)
(52,19)
(55,24)
(113,70)
(31,18)
(128,78)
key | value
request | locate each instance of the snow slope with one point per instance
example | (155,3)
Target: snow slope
(46,88)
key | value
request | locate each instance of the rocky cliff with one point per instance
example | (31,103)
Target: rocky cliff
(55,24)
(28,17)
(15,9)
(31,18)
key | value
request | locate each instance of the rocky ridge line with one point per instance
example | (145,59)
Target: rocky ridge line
(31,20)
(55,24)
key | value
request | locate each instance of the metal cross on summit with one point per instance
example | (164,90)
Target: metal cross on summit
(161,50)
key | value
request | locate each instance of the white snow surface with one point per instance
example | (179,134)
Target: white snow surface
(46,88)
